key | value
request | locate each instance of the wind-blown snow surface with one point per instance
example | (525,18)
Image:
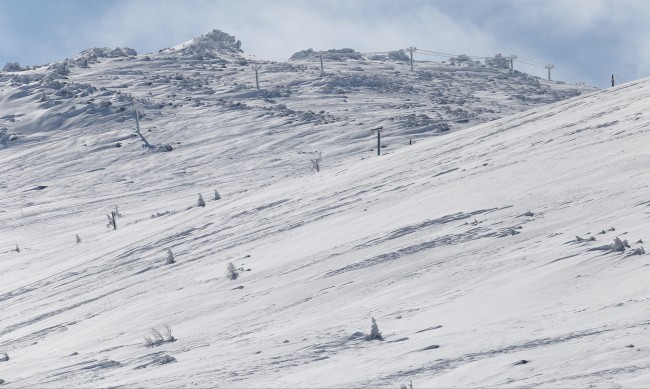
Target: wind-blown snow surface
(463,247)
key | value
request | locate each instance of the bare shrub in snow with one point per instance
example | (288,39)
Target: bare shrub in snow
(148,342)
(158,337)
(78,238)
(111,221)
(315,163)
(200,201)
(217,196)
(167,333)
(232,272)
(374,331)
(159,214)
(17,249)
(410,386)
(170,257)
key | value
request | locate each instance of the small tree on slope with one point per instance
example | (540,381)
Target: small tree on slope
(231,272)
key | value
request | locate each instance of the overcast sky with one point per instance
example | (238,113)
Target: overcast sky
(586,40)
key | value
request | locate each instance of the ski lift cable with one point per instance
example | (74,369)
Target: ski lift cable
(567,75)
(521,60)
(435,53)
(376,53)
(529,63)
(422,51)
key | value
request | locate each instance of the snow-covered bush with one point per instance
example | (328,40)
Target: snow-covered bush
(105,52)
(619,245)
(12,67)
(231,272)
(157,361)
(341,54)
(90,56)
(5,137)
(303,54)
(498,61)
(638,251)
(374,331)
(200,201)
(399,55)
(4,357)
(333,54)
(59,69)
(163,360)
(170,257)
(462,59)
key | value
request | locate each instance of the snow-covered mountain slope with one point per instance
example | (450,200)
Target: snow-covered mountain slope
(296,108)
(473,250)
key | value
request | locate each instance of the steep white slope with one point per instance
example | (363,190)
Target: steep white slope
(465,241)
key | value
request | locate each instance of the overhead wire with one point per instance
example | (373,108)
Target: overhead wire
(517,59)
(450,55)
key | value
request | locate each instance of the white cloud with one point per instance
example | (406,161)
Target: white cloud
(275,30)
(579,17)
